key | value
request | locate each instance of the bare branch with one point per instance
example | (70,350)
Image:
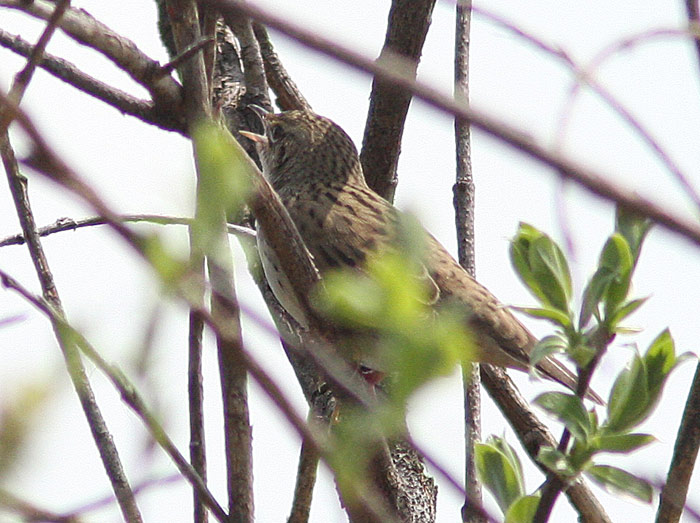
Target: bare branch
(685,452)
(289,97)
(85,29)
(381,145)
(596,182)
(463,191)
(68,224)
(128,391)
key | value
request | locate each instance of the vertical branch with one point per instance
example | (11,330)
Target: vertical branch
(685,453)
(693,11)
(76,370)
(405,35)
(185,23)
(464,222)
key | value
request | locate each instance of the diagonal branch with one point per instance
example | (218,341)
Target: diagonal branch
(83,28)
(76,370)
(685,452)
(122,101)
(592,180)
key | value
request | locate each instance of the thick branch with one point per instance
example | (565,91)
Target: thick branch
(685,453)
(381,145)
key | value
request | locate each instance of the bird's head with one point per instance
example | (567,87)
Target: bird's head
(301,147)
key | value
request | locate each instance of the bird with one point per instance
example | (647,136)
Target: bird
(314,167)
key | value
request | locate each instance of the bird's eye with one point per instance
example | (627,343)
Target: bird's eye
(276,133)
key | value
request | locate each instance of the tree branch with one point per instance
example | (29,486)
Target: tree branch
(381,145)
(76,370)
(288,95)
(685,452)
(463,191)
(85,29)
(592,180)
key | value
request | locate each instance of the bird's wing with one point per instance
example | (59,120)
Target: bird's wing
(342,227)
(500,338)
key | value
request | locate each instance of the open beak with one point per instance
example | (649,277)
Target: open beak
(257,138)
(262,113)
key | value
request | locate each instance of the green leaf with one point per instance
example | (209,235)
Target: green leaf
(555,461)
(637,389)
(620,481)
(519,248)
(634,228)
(629,397)
(617,259)
(547,313)
(621,442)
(569,409)
(593,294)
(546,347)
(551,271)
(660,359)
(625,310)
(523,510)
(499,474)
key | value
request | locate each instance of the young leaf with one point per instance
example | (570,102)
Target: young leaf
(523,510)
(617,259)
(629,398)
(592,296)
(568,409)
(621,442)
(546,347)
(634,228)
(623,311)
(551,271)
(618,480)
(555,461)
(499,474)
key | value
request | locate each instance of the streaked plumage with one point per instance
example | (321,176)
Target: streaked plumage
(314,167)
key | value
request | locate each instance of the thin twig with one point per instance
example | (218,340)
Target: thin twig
(23,77)
(85,29)
(463,191)
(128,391)
(187,54)
(68,224)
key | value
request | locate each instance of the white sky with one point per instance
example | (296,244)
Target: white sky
(137,168)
